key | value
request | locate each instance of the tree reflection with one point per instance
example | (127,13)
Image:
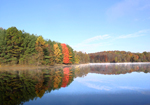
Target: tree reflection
(17,87)
(118,69)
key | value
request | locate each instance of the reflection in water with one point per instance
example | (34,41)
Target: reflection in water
(18,87)
(119,69)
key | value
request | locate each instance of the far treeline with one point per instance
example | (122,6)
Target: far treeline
(19,47)
(119,56)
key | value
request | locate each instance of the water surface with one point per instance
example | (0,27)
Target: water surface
(93,84)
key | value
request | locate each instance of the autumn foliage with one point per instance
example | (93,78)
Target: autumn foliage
(119,56)
(65,79)
(65,52)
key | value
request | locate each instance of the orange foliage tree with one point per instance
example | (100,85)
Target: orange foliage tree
(65,52)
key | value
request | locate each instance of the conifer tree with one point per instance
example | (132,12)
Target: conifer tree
(61,56)
(3,46)
(49,56)
(71,55)
(14,42)
(29,52)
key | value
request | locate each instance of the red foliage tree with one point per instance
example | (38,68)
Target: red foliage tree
(65,52)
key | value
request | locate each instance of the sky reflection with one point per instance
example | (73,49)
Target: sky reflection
(116,83)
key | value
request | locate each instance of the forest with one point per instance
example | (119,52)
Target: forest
(20,47)
(119,56)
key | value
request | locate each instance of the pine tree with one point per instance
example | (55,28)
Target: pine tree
(3,46)
(61,56)
(49,55)
(29,52)
(71,55)
(14,42)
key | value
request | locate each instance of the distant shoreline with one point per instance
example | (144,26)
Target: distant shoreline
(122,63)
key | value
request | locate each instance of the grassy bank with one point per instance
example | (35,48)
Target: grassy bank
(31,67)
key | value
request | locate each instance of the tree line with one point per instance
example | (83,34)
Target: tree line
(20,47)
(119,56)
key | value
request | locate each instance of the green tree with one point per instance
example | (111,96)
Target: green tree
(29,53)
(49,53)
(3,46)
(61,56)
(71,55)
(14,40)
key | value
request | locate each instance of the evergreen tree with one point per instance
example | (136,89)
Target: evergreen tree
(3,46)
(71,55)
(14,39)
(29,52)
(49,53)
(61,56)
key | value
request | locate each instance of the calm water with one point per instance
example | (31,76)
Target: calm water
(93,84)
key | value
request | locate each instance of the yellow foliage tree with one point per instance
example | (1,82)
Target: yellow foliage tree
(77,58)
(57,53)
(39,46)
(70,55)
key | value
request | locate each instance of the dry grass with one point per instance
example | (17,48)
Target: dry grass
(20,67)
(29,67)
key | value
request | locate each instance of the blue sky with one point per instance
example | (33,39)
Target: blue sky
(86,25)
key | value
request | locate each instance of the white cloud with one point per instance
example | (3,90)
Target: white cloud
(94,86)
(128,36)
(96,42)
(137,34)
(129,87)
(86,47)
(106,88)
(86,44)
(100,37)
(138,89)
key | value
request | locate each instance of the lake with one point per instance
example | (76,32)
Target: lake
(88,84)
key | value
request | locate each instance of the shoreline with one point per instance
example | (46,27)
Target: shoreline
(33,67)
(121,63)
